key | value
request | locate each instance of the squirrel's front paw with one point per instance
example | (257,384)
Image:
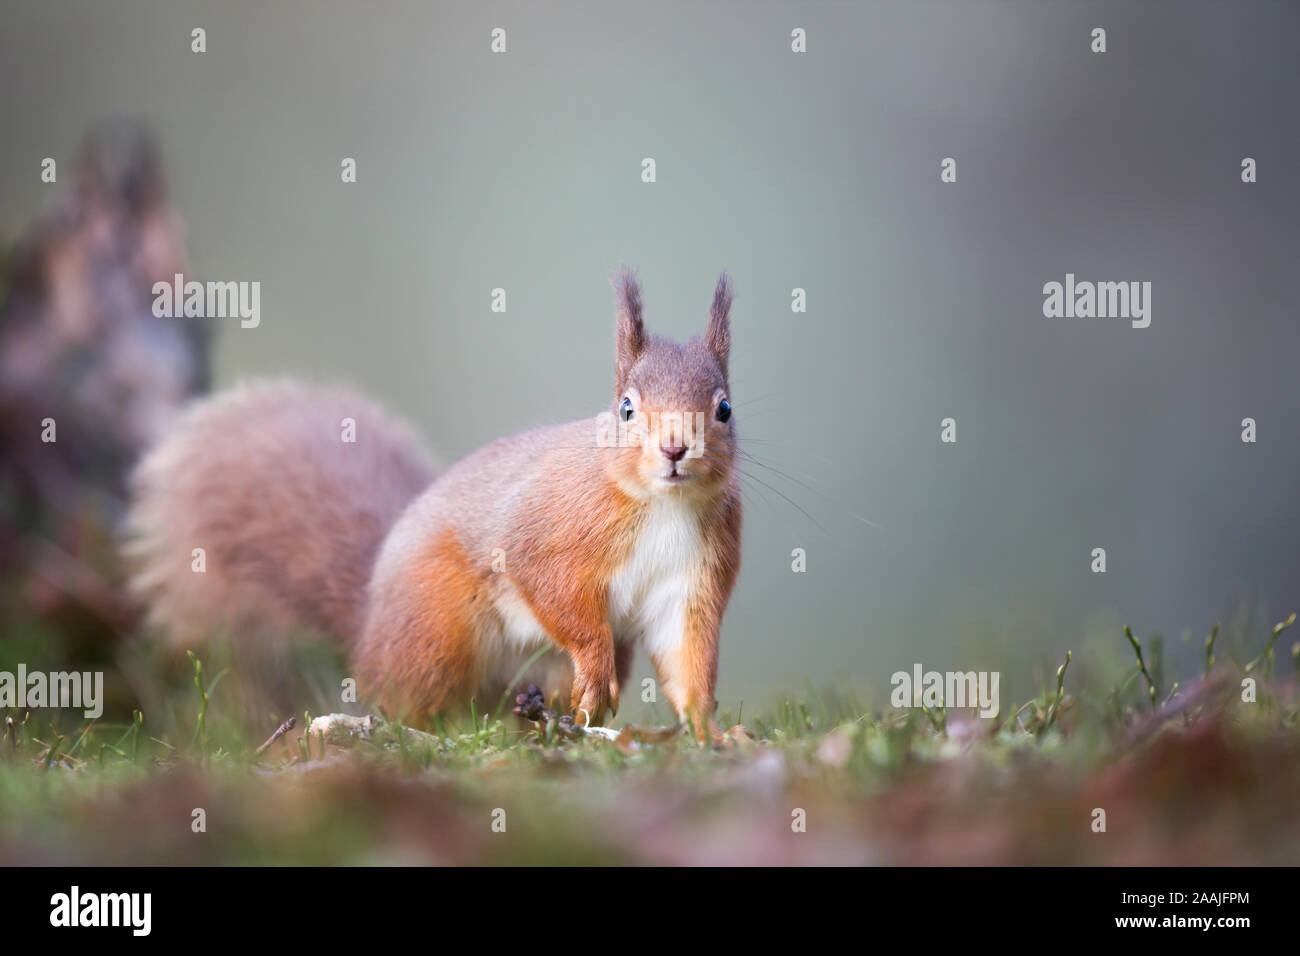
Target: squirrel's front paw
(707,732)
(592,697)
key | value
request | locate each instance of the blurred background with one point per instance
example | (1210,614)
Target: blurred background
(818,171)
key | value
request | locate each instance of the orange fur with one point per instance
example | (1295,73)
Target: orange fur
(438,631)
(552,538)
(567,590)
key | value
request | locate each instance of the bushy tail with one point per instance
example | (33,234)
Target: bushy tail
(288,514)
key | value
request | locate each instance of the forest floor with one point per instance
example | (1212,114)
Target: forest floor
(1197,774)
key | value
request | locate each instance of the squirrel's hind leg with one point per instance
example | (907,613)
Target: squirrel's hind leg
(419,653)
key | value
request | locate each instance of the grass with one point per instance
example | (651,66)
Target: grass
(1187,774)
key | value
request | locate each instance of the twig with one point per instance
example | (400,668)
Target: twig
(283,729)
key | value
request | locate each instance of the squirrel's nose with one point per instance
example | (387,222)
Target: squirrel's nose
(673,453)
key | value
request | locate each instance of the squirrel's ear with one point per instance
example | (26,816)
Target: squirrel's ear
(630,337)
(719,337)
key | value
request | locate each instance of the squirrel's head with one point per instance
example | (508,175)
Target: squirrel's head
(671,427)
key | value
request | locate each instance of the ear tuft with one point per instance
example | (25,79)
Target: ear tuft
(719,336)
(630,336)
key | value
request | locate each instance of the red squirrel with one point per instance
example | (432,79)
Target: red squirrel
(589,539)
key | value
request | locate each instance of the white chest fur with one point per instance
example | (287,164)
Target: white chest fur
(648,594)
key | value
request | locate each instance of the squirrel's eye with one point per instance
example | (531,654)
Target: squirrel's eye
(724,410)
(625,409)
